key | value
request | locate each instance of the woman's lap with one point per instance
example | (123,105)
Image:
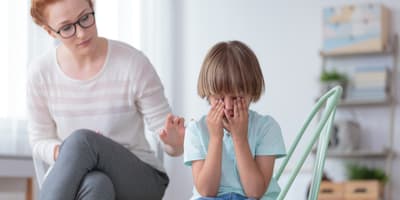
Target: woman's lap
(85,151)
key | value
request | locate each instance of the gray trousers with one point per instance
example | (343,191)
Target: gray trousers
(93,167)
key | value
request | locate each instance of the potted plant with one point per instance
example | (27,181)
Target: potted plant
(366,181)
(356,172)
(330,79)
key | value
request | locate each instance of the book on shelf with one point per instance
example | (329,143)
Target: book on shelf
(369,83)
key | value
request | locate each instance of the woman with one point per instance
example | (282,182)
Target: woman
(88,99)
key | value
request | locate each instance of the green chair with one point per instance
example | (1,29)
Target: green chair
(327,105)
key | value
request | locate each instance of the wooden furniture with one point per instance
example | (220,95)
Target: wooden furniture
(351,190)
(16,161)
(368,190)
(331,191)
(388,105)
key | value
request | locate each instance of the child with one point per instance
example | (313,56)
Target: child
(232,149)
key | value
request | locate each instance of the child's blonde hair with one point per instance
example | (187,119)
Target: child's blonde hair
(231,68)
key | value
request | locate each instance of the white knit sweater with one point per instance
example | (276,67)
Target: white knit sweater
(116,102)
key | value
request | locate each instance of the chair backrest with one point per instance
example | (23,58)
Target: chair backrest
(327,106)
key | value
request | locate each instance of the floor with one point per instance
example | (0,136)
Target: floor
(14,189)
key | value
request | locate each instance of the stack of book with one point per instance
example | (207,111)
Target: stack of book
(369,83)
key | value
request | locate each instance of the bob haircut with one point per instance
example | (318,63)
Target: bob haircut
(38,8)
(231,68)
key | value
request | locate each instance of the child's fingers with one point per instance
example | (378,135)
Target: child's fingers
(181,121)
(220,111)
(225,122)
(241,105)
(216,109)
(236,108)
(214,105)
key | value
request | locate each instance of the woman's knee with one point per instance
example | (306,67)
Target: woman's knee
(78,138)
(96,185)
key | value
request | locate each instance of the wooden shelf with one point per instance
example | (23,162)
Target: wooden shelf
(365,102)
(389,49)
(367,53)
(357,154)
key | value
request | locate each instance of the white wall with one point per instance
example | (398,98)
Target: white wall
(286,36)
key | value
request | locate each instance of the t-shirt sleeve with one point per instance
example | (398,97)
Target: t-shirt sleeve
(271,141)
(193,145)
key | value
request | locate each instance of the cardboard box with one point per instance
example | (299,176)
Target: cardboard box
(351,29)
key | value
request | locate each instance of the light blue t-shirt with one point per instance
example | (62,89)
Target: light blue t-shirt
(264,136)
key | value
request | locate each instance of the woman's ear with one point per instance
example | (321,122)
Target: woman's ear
(49,31)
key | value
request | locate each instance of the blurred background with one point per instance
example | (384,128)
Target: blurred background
(302,46)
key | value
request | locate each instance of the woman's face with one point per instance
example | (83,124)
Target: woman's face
(63,16)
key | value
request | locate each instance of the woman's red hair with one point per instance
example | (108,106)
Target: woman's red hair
(38,7)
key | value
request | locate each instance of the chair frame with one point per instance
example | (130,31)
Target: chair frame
(323,129)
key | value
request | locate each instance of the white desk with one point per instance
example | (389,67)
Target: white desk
(16,160)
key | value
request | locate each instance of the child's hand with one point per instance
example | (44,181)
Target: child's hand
(173,132)
(215,120)
(238,123)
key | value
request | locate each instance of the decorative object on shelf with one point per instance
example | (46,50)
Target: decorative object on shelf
(355,28)
(369,83)
(358,172)
(345,136)
(330,79)
(366,183)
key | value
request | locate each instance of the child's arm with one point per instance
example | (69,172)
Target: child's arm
(207,173)
(255,174)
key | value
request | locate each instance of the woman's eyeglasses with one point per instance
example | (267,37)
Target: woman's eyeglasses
(69,30)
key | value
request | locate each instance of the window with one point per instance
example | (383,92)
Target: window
(119,20)
(22,41)
(13,52)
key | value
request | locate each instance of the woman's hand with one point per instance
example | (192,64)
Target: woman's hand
(56,151)
(215,119)
(238,123)
(173,134)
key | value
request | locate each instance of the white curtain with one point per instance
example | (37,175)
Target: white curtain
(13,63)
(119,20)
(13,59)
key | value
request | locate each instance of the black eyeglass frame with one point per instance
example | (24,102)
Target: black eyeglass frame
(74,25)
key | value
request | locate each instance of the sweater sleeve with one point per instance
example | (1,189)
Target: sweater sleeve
(41,127)
(149,95)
